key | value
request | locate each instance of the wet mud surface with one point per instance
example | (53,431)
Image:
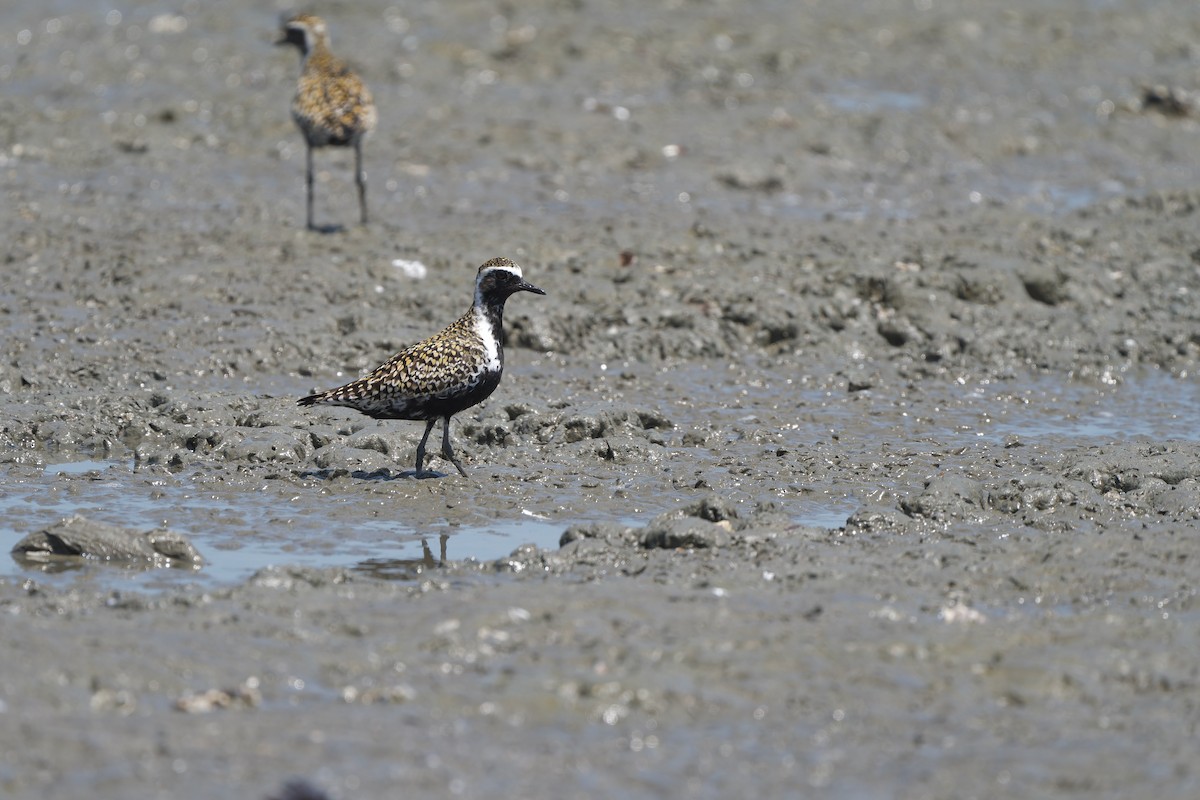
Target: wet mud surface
(853,451)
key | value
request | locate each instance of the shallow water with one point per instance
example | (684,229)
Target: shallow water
(116,493)
(239,532)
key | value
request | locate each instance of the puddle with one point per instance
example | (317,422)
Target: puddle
(77,467)
(859,98)
(241,532)
(227,534)
(1153,405)
(827,515)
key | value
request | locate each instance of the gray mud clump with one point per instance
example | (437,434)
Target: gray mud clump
(851,453)
(81,538)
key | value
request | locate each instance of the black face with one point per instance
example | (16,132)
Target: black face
(500,283)
(295,36)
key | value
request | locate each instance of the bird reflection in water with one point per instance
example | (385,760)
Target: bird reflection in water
(397,569)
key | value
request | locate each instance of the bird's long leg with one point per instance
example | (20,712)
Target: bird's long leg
(447,451)
(308,179)
(421,447)
(360,178)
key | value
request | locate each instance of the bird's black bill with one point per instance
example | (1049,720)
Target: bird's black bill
(526,286)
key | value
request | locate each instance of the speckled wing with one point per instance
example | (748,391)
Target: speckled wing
(445,366)
(332,105)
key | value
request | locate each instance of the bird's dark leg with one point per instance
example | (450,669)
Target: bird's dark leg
(447,451)
(421,447)
(360,178)
(308,179)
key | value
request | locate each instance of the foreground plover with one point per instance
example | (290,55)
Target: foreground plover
(446,373)
(332,106)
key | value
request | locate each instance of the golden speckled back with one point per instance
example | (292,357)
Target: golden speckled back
(446,364)
(332,105)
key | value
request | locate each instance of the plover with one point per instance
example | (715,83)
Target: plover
(444,374)
(332,106)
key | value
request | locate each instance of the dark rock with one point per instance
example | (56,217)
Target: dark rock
(1044,283)
(948,496)
(79,537)
(606,531)
(684,533)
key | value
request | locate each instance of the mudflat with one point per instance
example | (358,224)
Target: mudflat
(853,451)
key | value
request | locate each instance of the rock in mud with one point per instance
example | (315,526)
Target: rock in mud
(688,533)
(1045,284)
(610,532)
(947,496)
(82,538)
(299,790)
